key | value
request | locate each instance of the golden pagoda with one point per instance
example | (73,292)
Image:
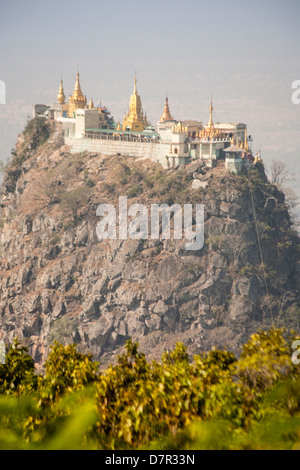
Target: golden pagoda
(61,94)
(166,116)
(77,100)
(209,131)
(91,104)
(135,120)
(246,146)
(210,126)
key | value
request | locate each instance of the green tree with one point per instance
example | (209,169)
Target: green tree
(17,375)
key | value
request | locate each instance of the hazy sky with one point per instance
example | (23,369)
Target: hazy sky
(247,53)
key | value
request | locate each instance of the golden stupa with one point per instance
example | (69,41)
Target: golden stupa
(77,100)
(210,126)
(166,116)
(246,146)
(135,120)
(209,131)
(61,94)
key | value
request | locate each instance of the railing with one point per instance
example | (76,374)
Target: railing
(208,140)
(122,138)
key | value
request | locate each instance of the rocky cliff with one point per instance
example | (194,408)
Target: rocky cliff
(59,282)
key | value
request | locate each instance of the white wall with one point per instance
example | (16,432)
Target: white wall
(156,152)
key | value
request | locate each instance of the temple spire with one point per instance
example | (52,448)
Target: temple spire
(210,124)
(166,116)
(246,146)
(135,89)
(77,89)
(135,119)
(77,100)
(61,94)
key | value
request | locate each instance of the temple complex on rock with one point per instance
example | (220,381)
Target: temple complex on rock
(171,142)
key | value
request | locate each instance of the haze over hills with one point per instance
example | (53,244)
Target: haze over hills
(247,55)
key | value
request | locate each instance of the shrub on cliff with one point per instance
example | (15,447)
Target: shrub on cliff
(36,132)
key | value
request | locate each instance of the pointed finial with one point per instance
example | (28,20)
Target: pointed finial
(210,124)
(166,116)
(61,94)
(246,146)
(211,104)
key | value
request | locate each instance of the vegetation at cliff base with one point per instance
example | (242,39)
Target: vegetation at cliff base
(215,401)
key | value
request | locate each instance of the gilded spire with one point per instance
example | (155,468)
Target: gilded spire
(91,104)
(210,124)
(77,90)
(246,146)
(61,94)
(77,100)
(135,119)
(166,116)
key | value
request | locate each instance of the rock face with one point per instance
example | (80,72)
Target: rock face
(59,282)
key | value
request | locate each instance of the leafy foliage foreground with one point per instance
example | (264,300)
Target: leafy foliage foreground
(216,401)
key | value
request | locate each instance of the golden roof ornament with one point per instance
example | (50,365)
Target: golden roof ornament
(77,94)
(210,124)
(77,100)
(166,116)
(246,146)
(135,120)
(61,94)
